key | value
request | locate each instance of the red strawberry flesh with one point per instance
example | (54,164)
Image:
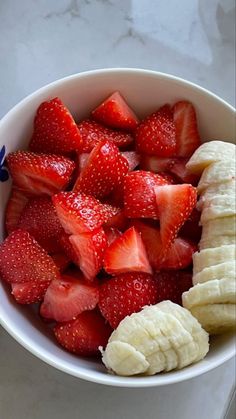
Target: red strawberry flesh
(187,135)
(15,206)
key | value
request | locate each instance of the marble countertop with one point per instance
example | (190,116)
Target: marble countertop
(44,40)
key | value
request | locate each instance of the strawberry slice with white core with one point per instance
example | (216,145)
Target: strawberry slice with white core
(79,213)
(114,112)
(139,195)
(156,164)
(90,250)
(187,135)
(23,260)
(127,253)
(179,170)
(103,172)
(29,292)
(175,203)
(67,297)
(40,174)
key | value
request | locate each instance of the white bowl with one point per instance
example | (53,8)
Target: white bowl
(144,91)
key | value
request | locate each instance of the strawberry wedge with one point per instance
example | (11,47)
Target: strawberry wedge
(103,172)
(116,113)
(40,174)
(175,203)
(15,206)
(55,130)
(67,297)
(187,135)
(127,253)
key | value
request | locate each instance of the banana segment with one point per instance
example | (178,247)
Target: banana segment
(216,241)
(208,153)
(159,338)
(219,226)
(216,291)
(224,270)
(218,207)
(217,255)
(218,172)
(220,189)
(216,318)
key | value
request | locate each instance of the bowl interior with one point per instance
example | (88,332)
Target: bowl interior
(145,91)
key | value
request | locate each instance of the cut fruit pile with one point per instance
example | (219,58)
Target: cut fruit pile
(102,220)
(212,299)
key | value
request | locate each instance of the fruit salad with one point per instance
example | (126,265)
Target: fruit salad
(121,230)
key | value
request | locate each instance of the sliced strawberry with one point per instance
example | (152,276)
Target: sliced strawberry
(85,334)
(39,218)
(23,260)
(133,159)
(82,160)
(103,172)
(90,249)
(191,228)
(171,285)
(169,177)
(187,135)
(139,195)
(112,234)
(79,213)
(116,113)
(155,135)
(39,174)
(126,294)
(55,130)
(179,170)
(156,164)
(92,133)
(15,206)
(61,260)
(29,292)
(66,245)
(67,297)
(179,255)
(175,204)
(127,253)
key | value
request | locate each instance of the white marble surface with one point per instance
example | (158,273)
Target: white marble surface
(42,40)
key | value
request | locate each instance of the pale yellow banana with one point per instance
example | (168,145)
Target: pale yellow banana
(216,241)
(216,291)
(219,226)
(219,207)
(224,270)
(216,318)
(220,189)
(210,257)
(208,153)
(219,172)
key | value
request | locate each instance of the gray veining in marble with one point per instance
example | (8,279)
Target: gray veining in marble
(43,40)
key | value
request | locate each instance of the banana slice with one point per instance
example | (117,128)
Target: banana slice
(191,325)
(224,270)
(218,207)
(124,359)
(216,318)
(218,172)
(208,153)
(217,241)
(158,338)
(223,189)
(219,227)
(216,291)
(209,257)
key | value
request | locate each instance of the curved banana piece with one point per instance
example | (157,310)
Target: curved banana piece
(191,325)
(224,270)
(219,226)
(208,257)
(220,189)
(218,172)
(164,340)
(208,153)
(216,241)
(218,207)
(216,291)
(216,318)
(124,359)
